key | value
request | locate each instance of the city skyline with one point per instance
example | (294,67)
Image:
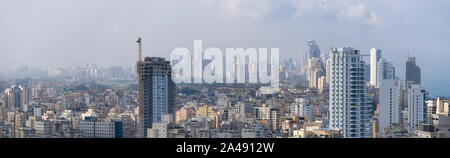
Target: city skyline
(216,77)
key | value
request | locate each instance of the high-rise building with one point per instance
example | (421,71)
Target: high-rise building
(321,85)
(17,96)
(349,105)
(412,71)
(312,51)
(385,71)
(274,120)
(375,56)
(389,104)
(416,106)
(367,73)
(158,92)
(404,87)
(315,71)
(327,71)
(301,108)
(431,109)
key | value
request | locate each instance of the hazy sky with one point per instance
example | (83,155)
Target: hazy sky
(54,33)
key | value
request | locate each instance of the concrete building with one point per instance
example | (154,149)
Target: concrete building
(301,133)
(262,112)
(158,92)
(389,104)
(416,106)
(322,86)
(312,51)
(442,125)
(327,72)
(301,108)
(442,106)
(315,71)
(92,127)
(385,71)
(183,114)
(431,109)
(315,130)
(349,110)
(274,119)
(17,96)
(161,129)
(42,128)
(248,133)
(37,111)
(375,56)
(439,128)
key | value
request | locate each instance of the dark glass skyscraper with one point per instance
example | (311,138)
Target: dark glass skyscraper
(412,71)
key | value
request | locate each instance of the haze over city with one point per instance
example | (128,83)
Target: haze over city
(51,33)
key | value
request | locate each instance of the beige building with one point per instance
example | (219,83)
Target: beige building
(314,130)
(206,111)
(442,106)
(317,133)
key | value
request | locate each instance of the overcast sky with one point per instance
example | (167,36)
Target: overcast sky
(55,33)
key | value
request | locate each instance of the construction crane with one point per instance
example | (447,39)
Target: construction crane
(139,41)
(282,71)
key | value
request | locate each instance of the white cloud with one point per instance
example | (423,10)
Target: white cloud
(356,11)
(254,9)
(373,20)
(343,9)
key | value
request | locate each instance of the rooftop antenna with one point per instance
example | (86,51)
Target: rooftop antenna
(139,41)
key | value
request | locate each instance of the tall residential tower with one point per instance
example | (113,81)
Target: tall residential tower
(349,110)
(158,92)
(385,71)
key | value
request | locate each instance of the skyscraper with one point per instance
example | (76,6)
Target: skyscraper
(412,71)
(389,104)
(416,106)
(350,109)
(385,71)
(158,92)
(315,71)
(312,51)
(17,96)
(375,55)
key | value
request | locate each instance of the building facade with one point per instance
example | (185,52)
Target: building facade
(416,106)
(158,92)
(385,71)
(17,96)
(375,56)
(389,104)
(348,106)
(412,71)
